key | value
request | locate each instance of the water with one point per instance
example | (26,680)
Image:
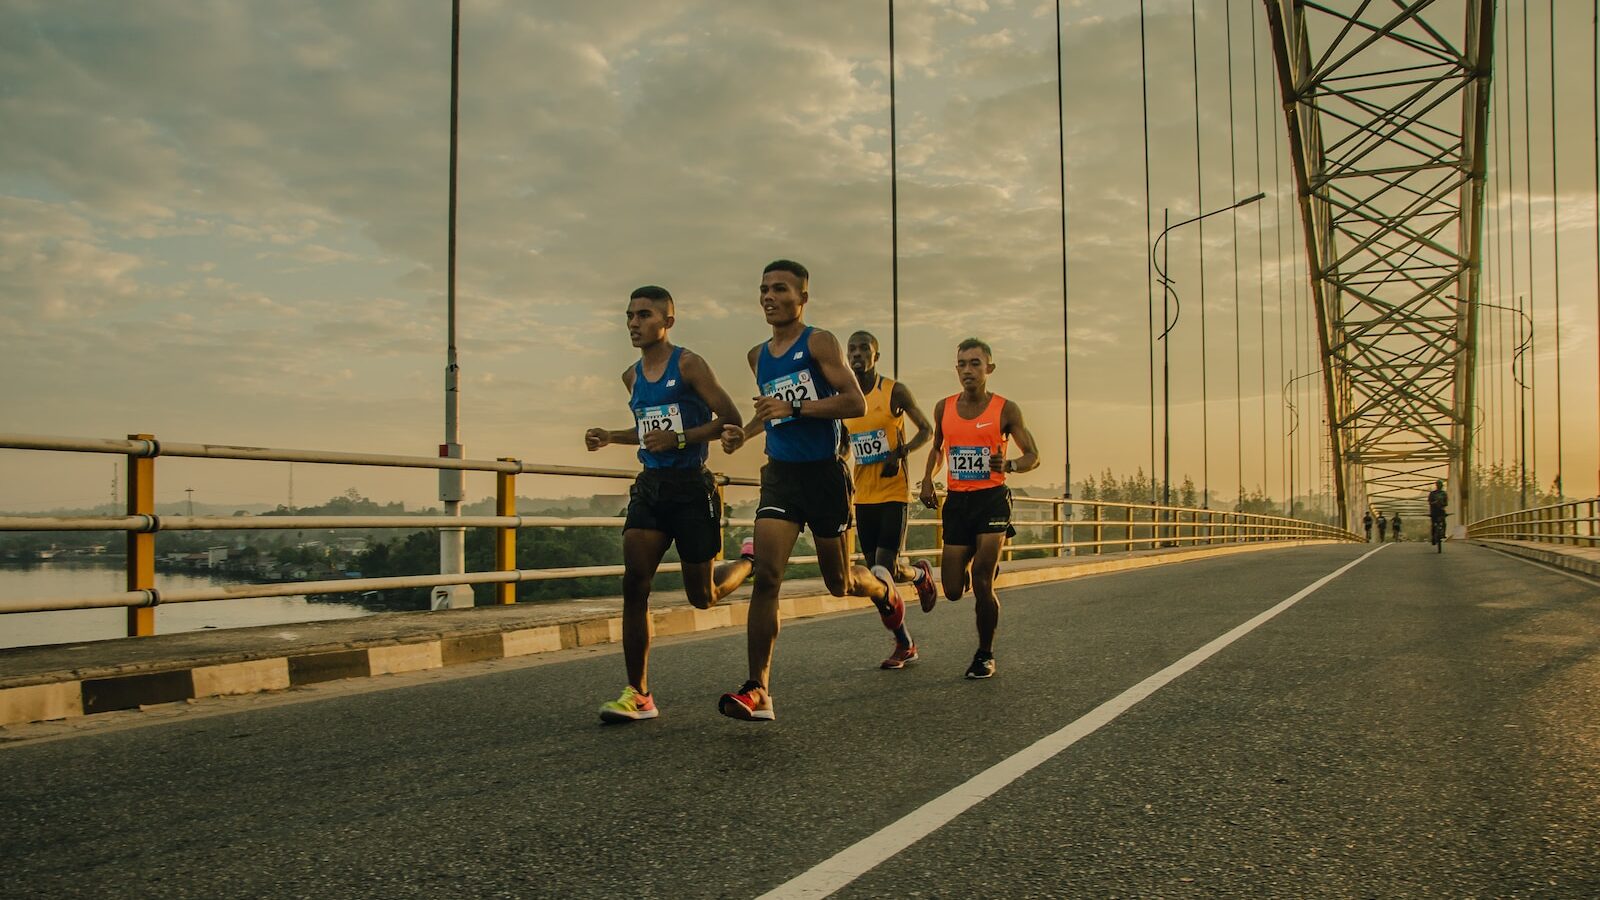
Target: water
(79,578)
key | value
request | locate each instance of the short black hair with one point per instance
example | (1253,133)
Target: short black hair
(973,343)
(868,335)
(790,266)
(655,294)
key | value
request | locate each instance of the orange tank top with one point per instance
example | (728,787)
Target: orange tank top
(971,443)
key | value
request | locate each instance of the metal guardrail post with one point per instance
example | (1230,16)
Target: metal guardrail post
(1127,512)
(141,544)
(505,539)
(1060,530)
(1099,530)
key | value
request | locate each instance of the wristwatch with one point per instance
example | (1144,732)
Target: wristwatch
(683,440)
(794,408)
(1010,466)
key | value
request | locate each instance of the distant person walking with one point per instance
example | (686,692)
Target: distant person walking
(1366,522)
(1394,526)
(1383,526)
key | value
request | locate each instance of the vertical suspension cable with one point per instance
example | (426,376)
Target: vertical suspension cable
(1277,274)
(1511,240)
(1238,353)
(1531,374)
(1149,276)
(894,206)
(1498,114)
(1555,251)
(1594,82)
(1261,250)
(1066,356)
(1200,209)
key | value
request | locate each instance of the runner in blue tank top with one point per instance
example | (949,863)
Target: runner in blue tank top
(678,407)
(806,389)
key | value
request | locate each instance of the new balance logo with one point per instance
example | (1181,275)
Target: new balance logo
(799,353)
(672,382)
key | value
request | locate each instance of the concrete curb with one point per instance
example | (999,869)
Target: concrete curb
(1583,560)
(65,694)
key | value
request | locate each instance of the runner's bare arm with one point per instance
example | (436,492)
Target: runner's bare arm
(595,438)
(902,401)
(935,458)
(698,373)
(1011,423)
(734,436)
(848,402)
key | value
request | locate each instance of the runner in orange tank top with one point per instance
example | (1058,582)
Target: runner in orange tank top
(971,432)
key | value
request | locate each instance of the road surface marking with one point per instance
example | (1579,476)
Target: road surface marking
(856,860)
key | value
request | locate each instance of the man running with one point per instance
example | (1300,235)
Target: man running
(1394,528)
(806,389)
(678,407)
(1366,522)
(972,429)
(882,489)
(1383,526)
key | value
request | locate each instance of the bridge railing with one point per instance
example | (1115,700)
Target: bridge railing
(1051,525)
(1573,522)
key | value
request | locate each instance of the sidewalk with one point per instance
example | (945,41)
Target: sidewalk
(1583,560)
(64,680)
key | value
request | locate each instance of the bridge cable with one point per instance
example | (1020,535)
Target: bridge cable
(1149,275)
(1511,239)
(1286,458)
(1497,112)
(894,208)
(1532,376)
(1238,353)
(1200,209)
(1066,361)
(1594,82)
(1261,249)
(1555,249)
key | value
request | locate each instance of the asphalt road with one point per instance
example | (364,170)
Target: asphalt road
(1422,725)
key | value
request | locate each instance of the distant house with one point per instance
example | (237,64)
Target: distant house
(216,557)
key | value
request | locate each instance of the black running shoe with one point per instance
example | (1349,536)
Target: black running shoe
(982,665)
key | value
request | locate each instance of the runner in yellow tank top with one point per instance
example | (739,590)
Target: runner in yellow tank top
(972,428)
(879,449)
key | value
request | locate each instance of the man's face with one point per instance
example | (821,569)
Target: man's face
(973,369)
(861,354)
(647,322)
(781,297)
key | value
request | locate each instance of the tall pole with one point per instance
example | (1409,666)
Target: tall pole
(452,541)
(1066,374)
(1166,371)
(894,206)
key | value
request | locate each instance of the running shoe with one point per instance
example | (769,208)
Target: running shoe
(927,593)
(630,707)
(751,703)
(896,616)
(982,665)
(903,653)
(748,548)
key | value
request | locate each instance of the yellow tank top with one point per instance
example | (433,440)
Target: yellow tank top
(873,438)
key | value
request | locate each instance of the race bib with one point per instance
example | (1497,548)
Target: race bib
(870,446)
(659,418)
(969,464)
(790,387)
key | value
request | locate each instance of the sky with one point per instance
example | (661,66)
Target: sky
(226,223)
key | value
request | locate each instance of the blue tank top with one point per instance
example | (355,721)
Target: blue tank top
(668,404)
(796,376)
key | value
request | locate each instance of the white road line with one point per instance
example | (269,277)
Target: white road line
(856,860)
(1575,576)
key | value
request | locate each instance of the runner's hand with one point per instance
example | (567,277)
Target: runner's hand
(891,467)
(997,464)
(732,438)
(660,441)
(929,499)
(770,408)
(595,438)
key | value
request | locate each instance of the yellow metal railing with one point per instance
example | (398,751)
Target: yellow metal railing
(1573,522)
(1073,526)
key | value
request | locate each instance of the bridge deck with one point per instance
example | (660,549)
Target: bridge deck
(1419,724)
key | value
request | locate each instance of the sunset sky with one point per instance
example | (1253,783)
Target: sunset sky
(226,222)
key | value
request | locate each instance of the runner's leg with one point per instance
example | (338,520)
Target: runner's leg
(642,550)
(985,557)
(774,543)
(953,569)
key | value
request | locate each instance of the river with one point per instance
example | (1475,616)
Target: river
(77,578)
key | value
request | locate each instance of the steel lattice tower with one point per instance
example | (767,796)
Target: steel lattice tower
(1386,105)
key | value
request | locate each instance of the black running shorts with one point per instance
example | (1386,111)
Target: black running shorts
(968,514)
(683,505)
(814,494)
(880,526)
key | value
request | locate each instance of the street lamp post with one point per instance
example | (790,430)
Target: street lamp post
(452,541)
(1294,426)
(1519,365)
(1169,299)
